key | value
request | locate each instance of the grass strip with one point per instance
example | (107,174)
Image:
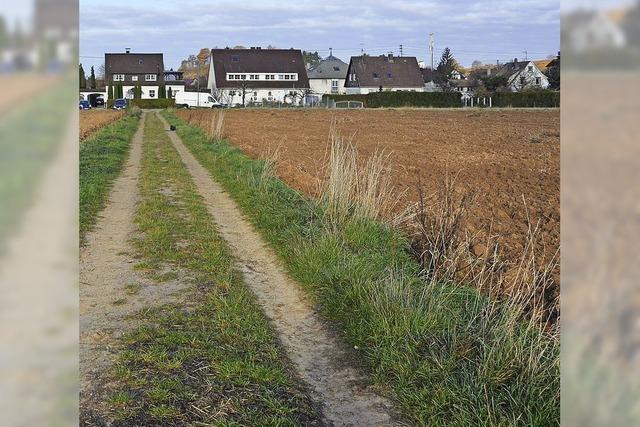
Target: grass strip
(29,137)
(450,355)
(102,157)
(215,361)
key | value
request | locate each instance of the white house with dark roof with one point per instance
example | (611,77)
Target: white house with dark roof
(367,74)
(328,77)
(257,75)
(522,75)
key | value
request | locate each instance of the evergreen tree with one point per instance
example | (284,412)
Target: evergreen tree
(110,92)
(162,92)
(92,79)
(83,78)
(446,66)
(119,93)
(169,93)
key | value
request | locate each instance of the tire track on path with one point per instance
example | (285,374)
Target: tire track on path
(106,271)
(321,360)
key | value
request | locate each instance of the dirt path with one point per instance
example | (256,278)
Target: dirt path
(320,359)
(39,303)
(110,288)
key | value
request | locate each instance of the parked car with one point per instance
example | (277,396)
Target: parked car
(99,102)
(85,105)
(120,104)
(195,100)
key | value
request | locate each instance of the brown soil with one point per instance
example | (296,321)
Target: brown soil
(93,120)
(318,357)
(19,88)
(106,269)
(506,157)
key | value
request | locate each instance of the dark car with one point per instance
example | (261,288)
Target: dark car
(120,104)
(99,102)
(85,105)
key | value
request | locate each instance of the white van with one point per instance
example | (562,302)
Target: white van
(195,100)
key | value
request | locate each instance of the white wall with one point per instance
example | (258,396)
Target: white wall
(253,95)
(146,91)
(366,90)
(322,86)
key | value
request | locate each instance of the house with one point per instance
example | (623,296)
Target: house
(521,75)
(328,77)
(146,70)
(592,30)
(55,29)
(367,74)
(245,76)
(465,87)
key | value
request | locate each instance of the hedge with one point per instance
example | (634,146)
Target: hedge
(153,103)
(403,99)
(540,99)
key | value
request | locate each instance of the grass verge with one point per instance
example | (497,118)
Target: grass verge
(101,159)
(214,361)
(450,355)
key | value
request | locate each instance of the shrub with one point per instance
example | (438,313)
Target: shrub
(403,99)
(154,103)
(538,98)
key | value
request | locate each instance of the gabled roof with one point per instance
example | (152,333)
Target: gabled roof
(386,71)
(511,68)
(329,68)
(133,63)
(257,60)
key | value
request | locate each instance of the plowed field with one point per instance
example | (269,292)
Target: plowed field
(93,120)
(509,158)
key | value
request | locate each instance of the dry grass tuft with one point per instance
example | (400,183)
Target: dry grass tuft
(354,190)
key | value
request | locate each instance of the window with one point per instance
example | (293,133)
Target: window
(376,76)
(118,77)
(538,81)
(235,58)
(287,76)
(334,83)
(150,77)
(267,76)
(523,81)
(530,67)
(152,93)
(255,94)
(336,68)
(232,93)
(269,93)
(134,78)
(389,75)
(242,76)
(140,61)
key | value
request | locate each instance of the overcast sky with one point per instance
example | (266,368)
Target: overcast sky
(474,29)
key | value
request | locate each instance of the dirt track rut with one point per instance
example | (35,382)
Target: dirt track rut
(106,269)
(319,358)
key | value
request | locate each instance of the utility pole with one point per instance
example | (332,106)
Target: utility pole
(400,49)
(431,47)
(361,49)
(526,57)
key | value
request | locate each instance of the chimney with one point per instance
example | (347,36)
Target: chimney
(127,50)
(515,60)
(390,56)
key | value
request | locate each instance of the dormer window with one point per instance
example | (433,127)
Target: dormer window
(235,58)
(376,76)
(118,77)
(150,78)
(140,61)
(389,75)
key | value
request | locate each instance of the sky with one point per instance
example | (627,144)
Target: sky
(487,30)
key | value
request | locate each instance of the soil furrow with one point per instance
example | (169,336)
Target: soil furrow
(321,360)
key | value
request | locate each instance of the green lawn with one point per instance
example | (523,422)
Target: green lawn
(449,355)
(102,157)
(214,361)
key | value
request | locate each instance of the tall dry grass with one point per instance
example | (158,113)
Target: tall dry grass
(355,189)
(211,121)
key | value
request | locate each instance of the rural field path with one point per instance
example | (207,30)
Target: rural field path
(107,276)
(320,359)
